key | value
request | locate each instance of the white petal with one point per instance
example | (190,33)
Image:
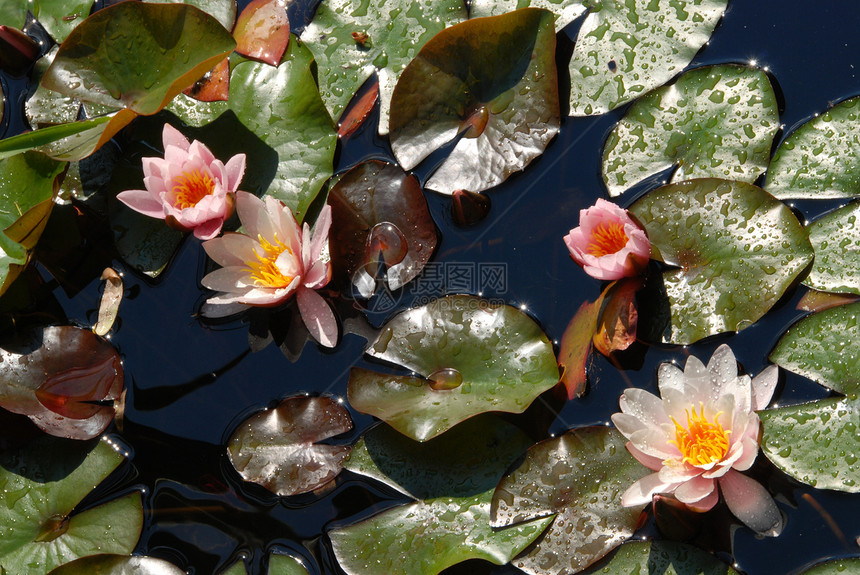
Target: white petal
(644,406)
(670,376)
(231,249)
(694,489)
(751,503)
(652,463)
(641,491)
(723,366)
(763,386)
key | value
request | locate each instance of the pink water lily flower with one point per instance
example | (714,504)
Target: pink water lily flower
(270,262)
(608,244)
(189,187)
(699,436)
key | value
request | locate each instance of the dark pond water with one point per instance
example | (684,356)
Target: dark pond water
(189,383)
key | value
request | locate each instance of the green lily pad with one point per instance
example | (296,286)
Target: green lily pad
(66,142)
(836,241)
(821,159)
(835,567)
(817,443)
(578,477)
(663,558)
(454,477)
(713,122)
(285,565)
(395,30)
(60,17)
(109,564)
(734,250)
(222,10)
(823,347)
(163,48)
(14,13)
(41,484)
(475,356)
(278,448)
(565,11)
(194,112)
(282,106)
(625,49)
(494,80)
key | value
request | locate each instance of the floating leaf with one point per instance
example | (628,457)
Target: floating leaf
(285,565)
(278,448)
(389,34)
(194,112)
(820,301)
(42,484)
(109,303)
(214,86)
(263,31)
(836,241)
(58,377)
(565,11)
(823,347)
(222,10)
(717,121)
(67,142)
(494,81)
(821,159)
(14,12)
(575,348)
(379,207)
(579,477)
(625,49)
(282,106)
(816,443)
(834,567)
(118,565)
(355,115)
(475,356)
(663,558)
(60,17)
(733,248)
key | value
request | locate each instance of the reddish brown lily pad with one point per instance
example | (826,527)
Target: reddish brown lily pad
(263,31)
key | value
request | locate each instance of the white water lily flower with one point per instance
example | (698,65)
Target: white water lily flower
(699,435)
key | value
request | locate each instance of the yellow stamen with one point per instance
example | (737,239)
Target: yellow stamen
(607,239)
(191,187)
(264,269)
(701,442)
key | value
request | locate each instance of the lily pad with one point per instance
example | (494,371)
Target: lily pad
(817,443)
(67,142)
(713,122)
(579,477)
(565,11)
(194,112)
(222,10)
(733,250)
(285,565)
(60,17)
(379,207)
(282,106)
(494,81)
(108,564)
(454,476)
(575,348)
(835,567)
(663,558)
(476,357)
(42,484)
(823,347)
(278,448)
(625,49)
(821,159)
(836,241)
(351,42)
(263,31)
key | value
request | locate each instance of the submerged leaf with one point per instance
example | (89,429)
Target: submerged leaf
(579,477)
(278,448)
(351,42)
(502,357)
(109,303)
(733,250)
(821,159)
(663,558)
(263,31)
(575,347)
(717,121)
(494,81)
(118,565)
(625,49)
(835,238)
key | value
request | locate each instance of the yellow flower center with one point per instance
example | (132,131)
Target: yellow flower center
(607,239)
(264,268)
(191,187)
(701,442)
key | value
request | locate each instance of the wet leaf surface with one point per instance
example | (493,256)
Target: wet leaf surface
(834,567)
(285,565)
(377,207)
(498,357)
(835,238)
(282,106)
(492,79)
(663,558)
(389,35)
(579,477)
(821,159)
(358,111)
(41,484)
(713,122)
(625,49)
(820,301)
(214,86)
(733,251)
(278,448)
(118,565)
(565,11)
(58,376)
(816,443)
(263,31)
(222,10)
(59,17)
(194,112)
(575,348)
(824,348)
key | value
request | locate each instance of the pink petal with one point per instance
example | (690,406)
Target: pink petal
(253,215)
(317,316)
(234,171)
(143,202)
(694,489)
(653,442)
(231,249)
(318,275)
(198,150)
(652,463)
(643,405)
(229,280)
(747,458)
(763,386)
(170,136)
(676,470)
(208,230)
(706,503)
(641,491)
(751,503)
